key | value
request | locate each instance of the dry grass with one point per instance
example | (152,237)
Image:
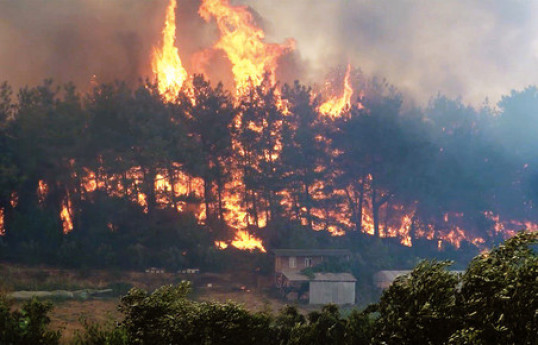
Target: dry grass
(239,287)
(67,315)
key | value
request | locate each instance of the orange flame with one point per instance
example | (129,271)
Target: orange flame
(245,241)
(89,181)
(336,105)
(2,226)
(243,43)
(65,215)
(166,63)
(42,191)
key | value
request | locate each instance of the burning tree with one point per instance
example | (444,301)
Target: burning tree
(235,165)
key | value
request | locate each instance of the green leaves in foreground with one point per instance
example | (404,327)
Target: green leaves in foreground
(494,302)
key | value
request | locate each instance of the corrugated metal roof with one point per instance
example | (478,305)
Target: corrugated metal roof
(320,277)
(311,252)
(390,276)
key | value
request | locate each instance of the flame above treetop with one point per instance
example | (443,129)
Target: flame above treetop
(336,105)
(243,43)
(166,63)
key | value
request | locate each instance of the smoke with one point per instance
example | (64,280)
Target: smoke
(72,40)
(472,49)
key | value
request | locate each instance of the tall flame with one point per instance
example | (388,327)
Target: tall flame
(336,105)
(42,191)
(65,215)
(2,227)
(243,43)
(166,63)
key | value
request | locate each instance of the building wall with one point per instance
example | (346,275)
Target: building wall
(332,292)
(282,263)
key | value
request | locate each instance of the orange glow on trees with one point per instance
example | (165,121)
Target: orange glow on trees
(335,106)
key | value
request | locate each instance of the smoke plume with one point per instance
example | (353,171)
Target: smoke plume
(460,48)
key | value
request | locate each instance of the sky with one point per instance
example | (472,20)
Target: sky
(467,49)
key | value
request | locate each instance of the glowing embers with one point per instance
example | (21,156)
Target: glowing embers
(335,106)
(42,191)
(14,200)
(166,63)
(89,181)
(508,228)
(243,42)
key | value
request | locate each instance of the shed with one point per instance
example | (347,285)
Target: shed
(383,279)
(324,288)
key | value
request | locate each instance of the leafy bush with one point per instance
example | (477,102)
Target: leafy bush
(27,326)
(96,334)
(167,317)
(495,302)
(499,292)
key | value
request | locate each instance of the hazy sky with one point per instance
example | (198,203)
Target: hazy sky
(458,47)
(472,49)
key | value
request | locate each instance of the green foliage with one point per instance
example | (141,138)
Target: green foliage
(419,308)
(359,328)
(500,292)
(166,317)
(286,321)
(331,264)
(29,325)
(468,336)
(495,302)
(96,334)
(323,327)
(294,169)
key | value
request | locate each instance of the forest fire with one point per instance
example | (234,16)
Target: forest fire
(166,63)
(243,42)
(42,191)
(336,105)
(253,60)
(66,216)
(275,157)
(244,240)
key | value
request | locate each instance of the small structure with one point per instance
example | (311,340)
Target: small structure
(322,288)
(383,279)
(295,260)
(316,288)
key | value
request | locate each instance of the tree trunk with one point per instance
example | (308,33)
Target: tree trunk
(172,179)
(207,197)
(361,205)
(308,206)
(375,211)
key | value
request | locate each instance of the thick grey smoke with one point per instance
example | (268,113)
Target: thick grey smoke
(473,49)
(72,40)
